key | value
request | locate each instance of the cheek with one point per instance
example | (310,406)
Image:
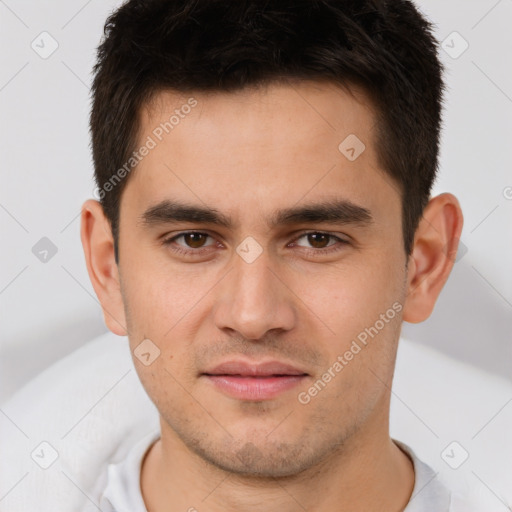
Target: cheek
(361,306)
(159,297)
(351,297)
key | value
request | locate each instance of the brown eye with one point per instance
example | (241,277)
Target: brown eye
(318,240)
(190,241)
(195,240)
(320,244)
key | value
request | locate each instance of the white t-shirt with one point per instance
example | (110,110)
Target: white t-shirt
(123,494)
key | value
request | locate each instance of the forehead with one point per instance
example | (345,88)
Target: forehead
(260,113)
(257,147)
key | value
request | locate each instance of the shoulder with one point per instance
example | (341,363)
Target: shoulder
(122,491)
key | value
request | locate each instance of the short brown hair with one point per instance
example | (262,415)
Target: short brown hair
(384,46)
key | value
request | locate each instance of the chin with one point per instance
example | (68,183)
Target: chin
(262,458)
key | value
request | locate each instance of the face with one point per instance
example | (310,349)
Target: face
(249,239)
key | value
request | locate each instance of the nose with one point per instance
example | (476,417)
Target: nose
(254,299)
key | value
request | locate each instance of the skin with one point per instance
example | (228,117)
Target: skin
(248,154)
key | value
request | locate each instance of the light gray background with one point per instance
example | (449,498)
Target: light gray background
(49,309)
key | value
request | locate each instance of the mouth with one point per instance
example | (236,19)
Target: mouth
(254,381)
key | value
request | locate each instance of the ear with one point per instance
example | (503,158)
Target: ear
(98,245)
(433,255)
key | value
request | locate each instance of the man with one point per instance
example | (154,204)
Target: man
(264,227)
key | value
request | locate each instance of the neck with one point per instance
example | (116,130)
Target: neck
(369,472)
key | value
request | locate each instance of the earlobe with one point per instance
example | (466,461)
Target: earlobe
(433,255)
(98,246)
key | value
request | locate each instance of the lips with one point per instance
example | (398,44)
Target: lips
(246,369)
(254,381)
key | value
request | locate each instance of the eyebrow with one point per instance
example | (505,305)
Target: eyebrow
(336,211)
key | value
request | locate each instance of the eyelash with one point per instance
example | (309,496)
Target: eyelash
(316,252)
